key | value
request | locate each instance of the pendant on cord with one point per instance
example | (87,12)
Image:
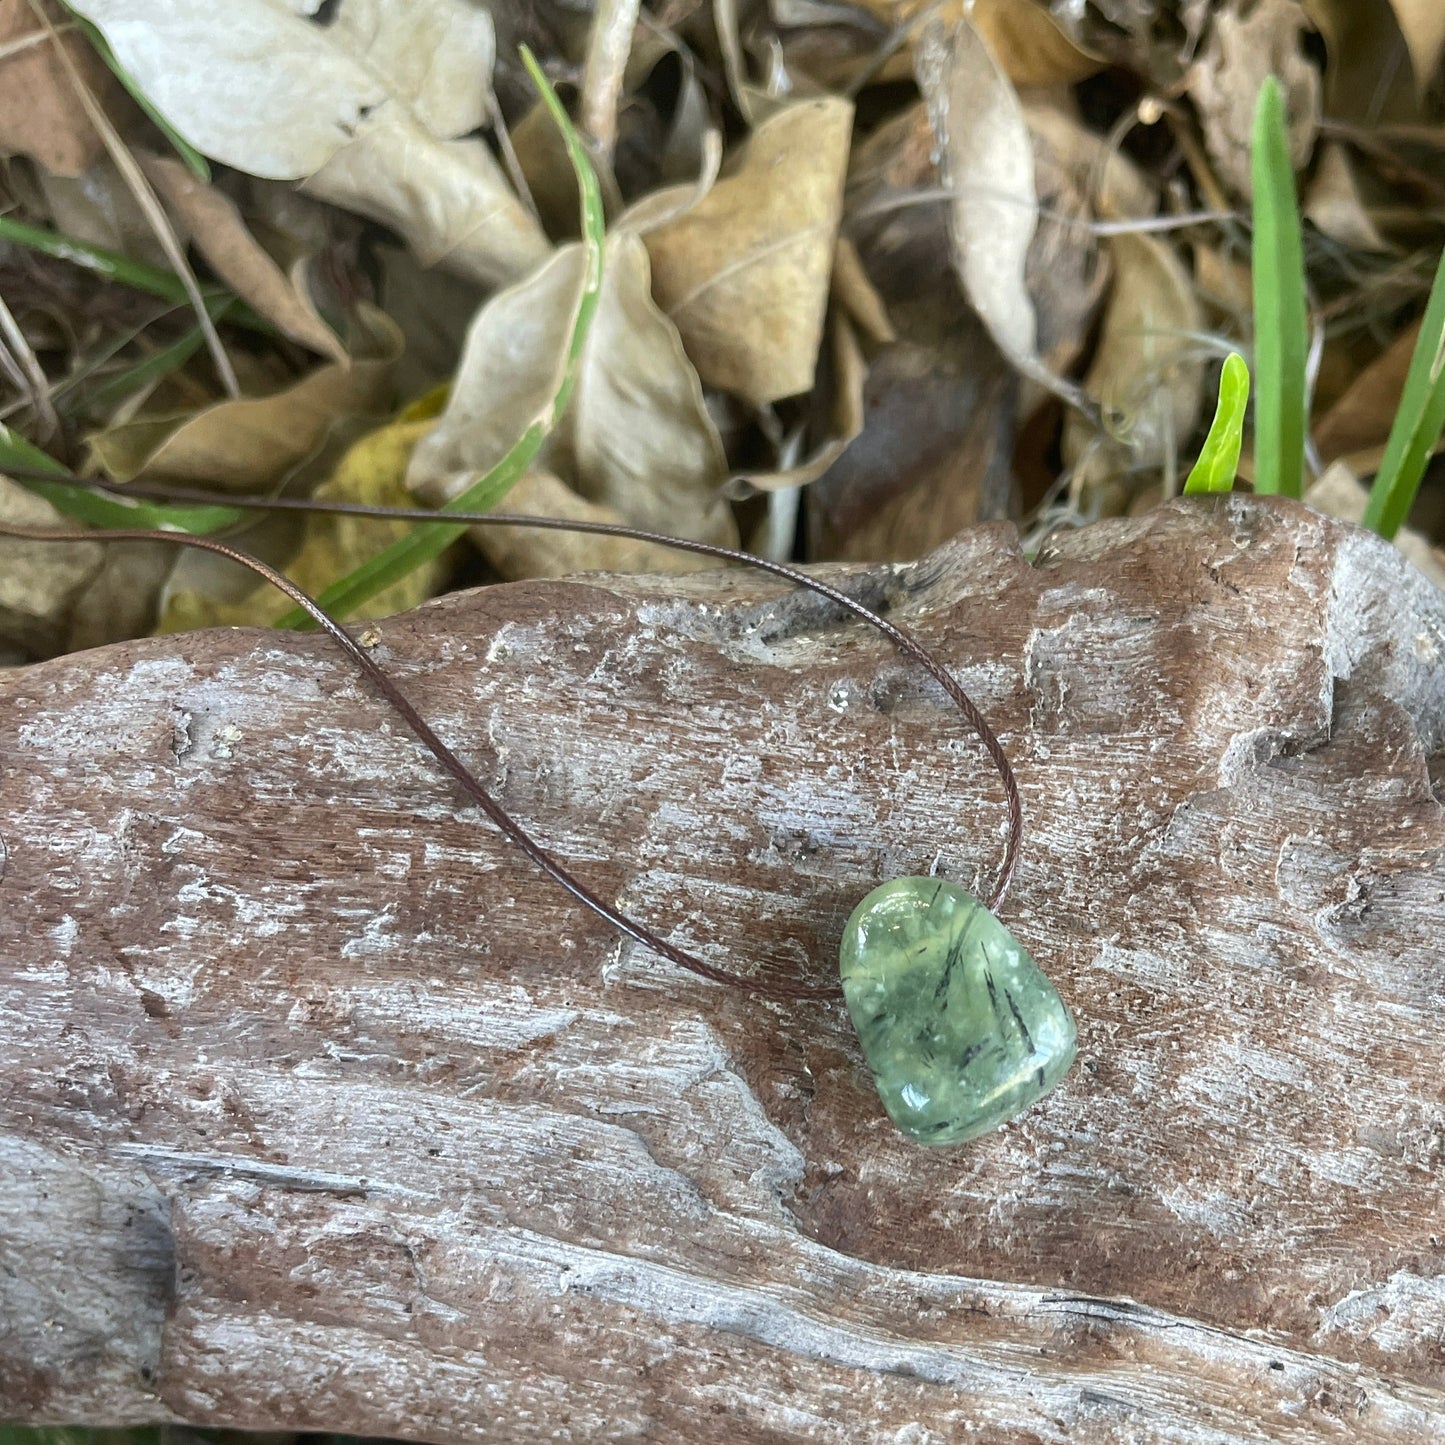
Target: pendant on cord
(959,1026)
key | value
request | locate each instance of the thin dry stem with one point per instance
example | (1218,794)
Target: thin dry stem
(150,205)
(36,383)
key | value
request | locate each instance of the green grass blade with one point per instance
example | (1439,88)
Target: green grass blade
(424,542)
(430,540)
(1218,461)
(159,364)
(1418,423)
(113,266)
(1281,321)
(183,148)
(97,508)
(109,265)
(594,229)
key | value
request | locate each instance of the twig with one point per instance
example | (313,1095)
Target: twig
(769,988)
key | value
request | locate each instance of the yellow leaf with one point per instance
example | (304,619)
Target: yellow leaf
(256,442)
(373,472)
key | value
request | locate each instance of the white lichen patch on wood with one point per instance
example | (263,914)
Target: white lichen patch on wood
(321,1109)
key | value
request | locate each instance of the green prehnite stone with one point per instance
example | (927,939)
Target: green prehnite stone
(960,1028)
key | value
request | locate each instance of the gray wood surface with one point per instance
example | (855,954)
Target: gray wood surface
(321,1109)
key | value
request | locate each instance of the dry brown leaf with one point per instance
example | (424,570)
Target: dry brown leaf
(433,308)
(1224,282)
(1340,493)
(1028,44)
(744,272)
(1334,202)
(843,420)
(1067,271)
(987,164)
(39,583)
(609,43)
(932,459)
(250,443)
(1356,426)
(1369,78)
(449,199)
(209,591)
(1143,373)
(518,552)
(1116,188)
(1422,23)
(1249,40)
(858,296)
(376,107)
(636,435)
(216,228)
(98,207)
(39,116)
(1023,36)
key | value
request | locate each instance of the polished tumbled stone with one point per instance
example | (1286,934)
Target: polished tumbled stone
(960,1028)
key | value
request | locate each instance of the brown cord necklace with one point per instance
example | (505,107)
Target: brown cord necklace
(961,1029)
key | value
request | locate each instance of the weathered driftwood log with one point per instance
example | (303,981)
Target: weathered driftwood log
(321,1109)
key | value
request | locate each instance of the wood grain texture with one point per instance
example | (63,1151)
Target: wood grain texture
(320,1109)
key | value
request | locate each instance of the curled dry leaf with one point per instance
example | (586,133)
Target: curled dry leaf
(987,164)
(1249,40)
(216,228)
(39,116)
(744,272)
(1335,204)
(373,472)
(1067,271)
(1144,374)
(609,43)
(636,436)
(858,296)
(838,417)
(933,458)
(756,102)
(368,106)
(1422,23)
(253,443)
(1369,79)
